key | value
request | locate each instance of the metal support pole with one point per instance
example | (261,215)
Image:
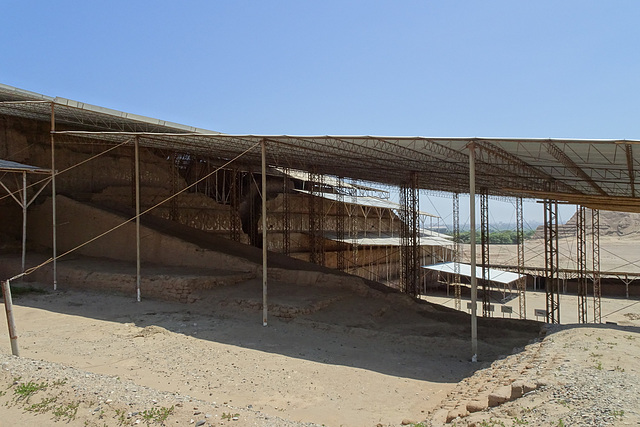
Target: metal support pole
(24,219)
(522,283)
(597,289)
(137,182)
(472,226)
(552,280)
(286,214)
(264,233)
(484,243)
(8,307)
(340,214)
(581,263)
(53,199)
(457,256)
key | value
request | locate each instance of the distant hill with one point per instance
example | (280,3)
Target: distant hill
(611,224)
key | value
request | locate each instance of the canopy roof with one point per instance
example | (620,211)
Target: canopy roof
(9,166)
(596,173)
(497,276)
(368,201)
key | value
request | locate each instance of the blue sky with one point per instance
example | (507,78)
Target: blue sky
(429,68)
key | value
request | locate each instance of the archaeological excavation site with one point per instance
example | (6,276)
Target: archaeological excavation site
(156,252)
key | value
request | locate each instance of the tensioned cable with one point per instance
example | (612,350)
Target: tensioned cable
(32,269)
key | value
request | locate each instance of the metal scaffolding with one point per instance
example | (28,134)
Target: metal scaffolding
(352,211)
(410,238)
(286,213)
(581,261)
(484,241)
(597,289)
(316,219)
(173,203)
(521,283)
(341,212)
(456,251)
(551,260)
(235,190)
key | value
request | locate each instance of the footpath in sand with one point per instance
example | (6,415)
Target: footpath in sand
(328,356)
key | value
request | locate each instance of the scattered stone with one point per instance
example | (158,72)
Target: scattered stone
(499,396)
(477,405)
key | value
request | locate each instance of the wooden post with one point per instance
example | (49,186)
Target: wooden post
(8,307)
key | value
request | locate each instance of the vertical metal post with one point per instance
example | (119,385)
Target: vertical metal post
(137,183)
(340,226)
(24,219)
(597,289)
(457,258)
(472,226)
(235,192)
(8,307)
(522,283)
(286,214)
(53,199)
(313,219)
(552,279)
(264,233)
(484,243)
(582,263)
(409,236)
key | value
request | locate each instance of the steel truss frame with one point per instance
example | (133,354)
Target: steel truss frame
(581,262)
(522,283)
(484,241)
(597,288)
(341,212)
(316,219)
(235,226)
(409,236)
(551,260)
(286,213)
(457,256)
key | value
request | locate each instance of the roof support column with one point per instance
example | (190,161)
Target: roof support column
(552,279)
(137,184)
(597,290)
(53,199)
(522,283)
(582,262)
(472,235)
(456,251)
(264,233)
(484,242)
(24,219)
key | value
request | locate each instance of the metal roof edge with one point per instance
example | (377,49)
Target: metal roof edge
(129,116)
(25,93)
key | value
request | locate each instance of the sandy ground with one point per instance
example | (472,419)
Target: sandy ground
(328,356)
(613,310)
(617,253)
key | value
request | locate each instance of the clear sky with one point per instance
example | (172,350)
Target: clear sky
(431,68)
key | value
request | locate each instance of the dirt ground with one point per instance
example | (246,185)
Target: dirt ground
(327,356)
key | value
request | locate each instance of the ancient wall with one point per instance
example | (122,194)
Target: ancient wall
(78,223)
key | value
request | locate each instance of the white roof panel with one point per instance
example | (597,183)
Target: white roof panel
(498,276)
